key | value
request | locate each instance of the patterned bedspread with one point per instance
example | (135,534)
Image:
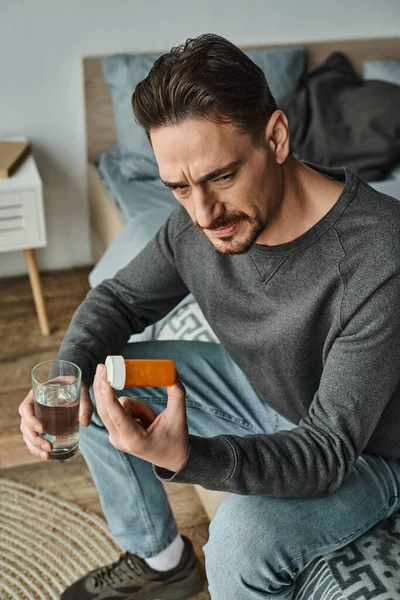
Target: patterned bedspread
(367,569)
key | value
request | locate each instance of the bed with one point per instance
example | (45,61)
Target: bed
(112,227)
(106,221)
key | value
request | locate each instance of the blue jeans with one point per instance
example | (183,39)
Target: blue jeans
(262,542)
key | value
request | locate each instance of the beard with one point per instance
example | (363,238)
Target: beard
(228,244)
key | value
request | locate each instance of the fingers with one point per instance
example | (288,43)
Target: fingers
(138,410)
(110,410)
(104,398)
(36,445)
(32,439)
(85,407)
(37,451)
(27,412)
(30,426)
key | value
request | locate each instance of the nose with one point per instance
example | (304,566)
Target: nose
(205,207)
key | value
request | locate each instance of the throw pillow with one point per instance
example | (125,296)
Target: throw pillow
(382,70)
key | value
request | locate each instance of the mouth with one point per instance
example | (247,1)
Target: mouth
(224,231)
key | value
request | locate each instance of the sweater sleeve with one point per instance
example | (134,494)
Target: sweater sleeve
(139,295)
(359,378)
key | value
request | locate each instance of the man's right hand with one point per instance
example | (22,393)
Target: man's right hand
(31,426)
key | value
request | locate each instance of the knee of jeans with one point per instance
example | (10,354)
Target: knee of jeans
(251,549)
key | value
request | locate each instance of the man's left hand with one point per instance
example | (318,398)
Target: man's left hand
(162,440)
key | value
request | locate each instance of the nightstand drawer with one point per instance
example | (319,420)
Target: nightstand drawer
(21,220)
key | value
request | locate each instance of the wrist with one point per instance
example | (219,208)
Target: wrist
(176,464)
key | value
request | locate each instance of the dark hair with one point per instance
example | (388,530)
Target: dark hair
(206,77)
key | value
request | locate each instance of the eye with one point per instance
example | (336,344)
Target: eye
(224,177)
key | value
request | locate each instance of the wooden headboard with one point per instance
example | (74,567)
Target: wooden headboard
(100,126)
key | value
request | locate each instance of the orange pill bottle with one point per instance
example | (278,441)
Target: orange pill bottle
(122,372)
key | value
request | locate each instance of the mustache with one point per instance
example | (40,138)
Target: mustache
(226,220)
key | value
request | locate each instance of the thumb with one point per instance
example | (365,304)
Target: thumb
(177,399)
(85,407)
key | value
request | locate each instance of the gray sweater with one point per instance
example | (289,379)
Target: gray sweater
(313,323)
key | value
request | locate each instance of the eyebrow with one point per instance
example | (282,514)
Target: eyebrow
(208,176)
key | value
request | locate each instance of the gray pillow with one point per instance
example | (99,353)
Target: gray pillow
(283,68)
(382,70)
(122,73)
(135,197)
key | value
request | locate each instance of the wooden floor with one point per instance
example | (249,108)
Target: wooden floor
(21,348)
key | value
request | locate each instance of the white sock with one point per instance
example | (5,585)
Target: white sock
(168,558)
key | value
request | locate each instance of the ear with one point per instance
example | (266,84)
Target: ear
(277,135)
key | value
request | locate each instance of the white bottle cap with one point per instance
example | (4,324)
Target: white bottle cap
(116,371)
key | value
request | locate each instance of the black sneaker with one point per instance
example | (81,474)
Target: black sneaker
(131,578)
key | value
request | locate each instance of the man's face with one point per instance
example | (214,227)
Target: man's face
(228,186)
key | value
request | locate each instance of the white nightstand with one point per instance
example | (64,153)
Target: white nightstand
(22,225)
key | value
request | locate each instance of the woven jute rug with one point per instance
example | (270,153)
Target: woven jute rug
(47,543)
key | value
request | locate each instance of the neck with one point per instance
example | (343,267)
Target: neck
(307,196)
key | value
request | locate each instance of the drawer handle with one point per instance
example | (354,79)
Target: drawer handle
(12,224)
(10,212)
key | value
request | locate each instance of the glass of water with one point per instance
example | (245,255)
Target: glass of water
(56,386)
